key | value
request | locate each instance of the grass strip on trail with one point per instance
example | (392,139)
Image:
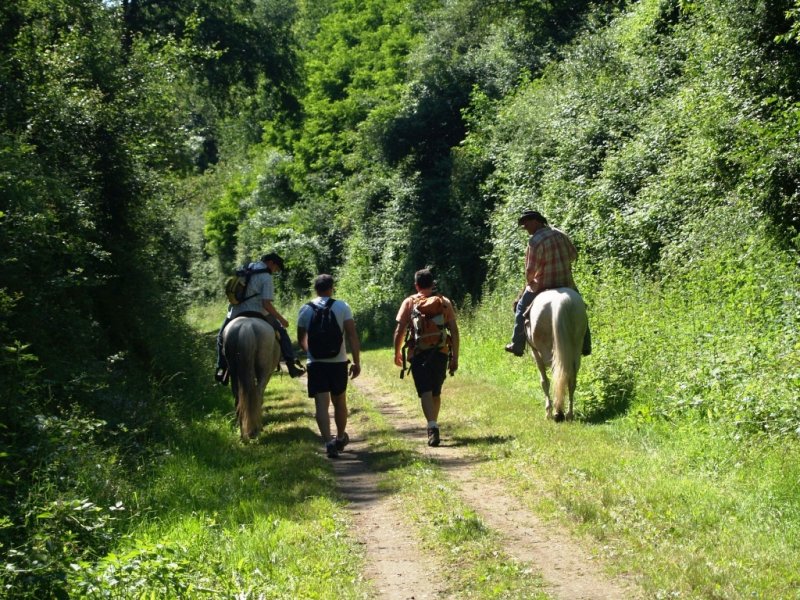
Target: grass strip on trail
(694,513)
(232,520)
(469,555)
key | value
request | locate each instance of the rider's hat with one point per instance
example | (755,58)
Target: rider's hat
(274,258)
(531,214)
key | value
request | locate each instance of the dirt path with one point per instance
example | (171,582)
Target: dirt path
(395,563)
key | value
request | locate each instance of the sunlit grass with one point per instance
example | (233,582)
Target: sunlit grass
(679,502)
(227,519)
(694,510)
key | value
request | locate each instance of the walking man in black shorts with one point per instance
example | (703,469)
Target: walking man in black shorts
(431,345)
(322,327)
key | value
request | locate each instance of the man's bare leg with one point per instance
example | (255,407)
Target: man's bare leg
(430,408)
(340,414)
(323,401)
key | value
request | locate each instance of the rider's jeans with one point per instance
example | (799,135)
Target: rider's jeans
(518,336)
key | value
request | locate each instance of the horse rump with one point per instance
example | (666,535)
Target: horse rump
(252,353)
(556,328)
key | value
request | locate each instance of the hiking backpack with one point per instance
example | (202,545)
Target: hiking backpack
(427,331)
(236,284)
(324,334)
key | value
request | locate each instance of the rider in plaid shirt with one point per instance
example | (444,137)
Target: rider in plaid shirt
(548,260)
(548,265)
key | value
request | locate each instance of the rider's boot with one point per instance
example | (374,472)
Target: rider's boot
(294,368)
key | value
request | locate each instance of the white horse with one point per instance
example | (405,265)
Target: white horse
(252,352)
(555,328)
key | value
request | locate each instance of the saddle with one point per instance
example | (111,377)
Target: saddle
(271,321)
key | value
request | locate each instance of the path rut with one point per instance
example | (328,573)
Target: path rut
(396,565)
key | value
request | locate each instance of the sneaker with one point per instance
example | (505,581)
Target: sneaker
(331,449)
(433,436)
(342,442)
(510,348)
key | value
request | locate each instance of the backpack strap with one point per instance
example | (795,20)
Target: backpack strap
(316,307)
(408,342)
(248,273)
(405,369)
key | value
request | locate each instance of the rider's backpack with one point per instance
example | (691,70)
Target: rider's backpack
(428,330)
(236,284)
(324,334)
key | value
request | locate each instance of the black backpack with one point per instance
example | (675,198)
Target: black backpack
(324,335)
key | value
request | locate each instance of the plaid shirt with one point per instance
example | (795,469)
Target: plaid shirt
(548,260)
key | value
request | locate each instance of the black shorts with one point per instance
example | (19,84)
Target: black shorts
(429,370)
(326,377)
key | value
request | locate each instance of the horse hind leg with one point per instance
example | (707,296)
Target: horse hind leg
(570,414)
(545,382)
(558,405)
(256,404)
(573,381)
(548,401)
(559,416)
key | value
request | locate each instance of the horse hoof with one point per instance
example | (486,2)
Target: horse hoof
(559,418)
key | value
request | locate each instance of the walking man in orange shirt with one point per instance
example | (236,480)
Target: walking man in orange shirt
(432,345)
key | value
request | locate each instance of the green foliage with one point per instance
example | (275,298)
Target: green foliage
(383,106)
(662,135)
(158,569)
(96,124)
(72,500)
(792,15)
(222,220)
(380,261)
(252,63)
(639,128)
(608,389)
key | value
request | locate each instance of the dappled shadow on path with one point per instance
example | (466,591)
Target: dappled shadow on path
(483,440)
(283,437)
(358,469)
(355,479)
(448,461)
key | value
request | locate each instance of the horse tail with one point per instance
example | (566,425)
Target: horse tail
(567,340)
(244,343)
